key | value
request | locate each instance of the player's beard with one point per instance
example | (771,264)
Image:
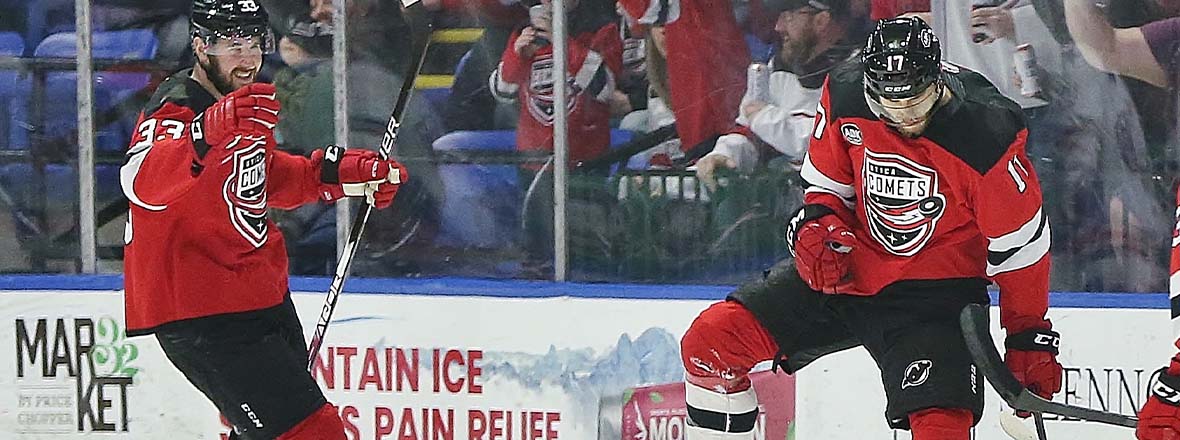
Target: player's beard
(223,82)
(798,51)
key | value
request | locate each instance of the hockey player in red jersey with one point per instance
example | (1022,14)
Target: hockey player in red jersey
(206,270)
(1160,417)
(919,194)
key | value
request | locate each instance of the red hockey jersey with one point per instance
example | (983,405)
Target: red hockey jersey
(593,60)
(1174,279)
(198,240)
(707,59)
(960,201)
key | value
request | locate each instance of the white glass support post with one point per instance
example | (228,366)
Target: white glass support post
(340,110)
(87,242)
(560,144)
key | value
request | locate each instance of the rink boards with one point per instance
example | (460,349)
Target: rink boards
(458,358)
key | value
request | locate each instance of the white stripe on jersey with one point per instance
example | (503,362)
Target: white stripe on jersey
(503,91)
(1016,238)
(815,177)
(127,175)
(1025,254)
(652,15)
(1174,291)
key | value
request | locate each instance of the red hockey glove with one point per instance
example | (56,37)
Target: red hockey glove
(357,172)
(1160,417)
(249,111)
(820,243)
(1032,358)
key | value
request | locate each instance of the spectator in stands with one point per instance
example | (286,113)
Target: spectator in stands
(632,86)
(816,36)
(881,9)
(526,74)
(707,55)
(376,31)
(656,113)
(304,88)
(1107,182)
(471,105)
(1147,52)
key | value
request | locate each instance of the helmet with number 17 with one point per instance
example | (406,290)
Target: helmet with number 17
(902,72)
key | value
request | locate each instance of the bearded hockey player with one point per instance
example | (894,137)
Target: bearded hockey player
(919,195)
(206,270)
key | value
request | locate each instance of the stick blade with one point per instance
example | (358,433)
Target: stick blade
(974,322)
(977,334)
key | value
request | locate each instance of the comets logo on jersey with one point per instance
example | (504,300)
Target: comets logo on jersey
(540,96)
(901,201)
(245,191)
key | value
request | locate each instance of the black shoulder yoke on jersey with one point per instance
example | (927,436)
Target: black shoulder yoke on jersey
(977,125)
(181,90)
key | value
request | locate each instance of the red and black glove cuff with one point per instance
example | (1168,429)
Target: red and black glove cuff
(330,167)
(805,214)
(198,134)
(1166,387)
(1034,340)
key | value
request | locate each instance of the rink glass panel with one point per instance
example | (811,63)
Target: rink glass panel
(1103,148)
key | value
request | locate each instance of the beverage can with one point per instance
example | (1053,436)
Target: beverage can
(1026,62)
(758,81)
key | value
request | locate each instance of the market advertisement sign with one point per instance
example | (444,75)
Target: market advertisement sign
(398,366)
(71,373)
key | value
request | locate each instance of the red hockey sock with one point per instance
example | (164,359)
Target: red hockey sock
(941,424)
(721,346)
(323,424)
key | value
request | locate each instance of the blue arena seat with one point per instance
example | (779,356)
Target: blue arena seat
(481,203)
(14,94)
(60,114)
(60,193)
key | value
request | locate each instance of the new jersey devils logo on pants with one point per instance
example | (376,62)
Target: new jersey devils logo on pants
(245,192)
(916,373)
(901,201)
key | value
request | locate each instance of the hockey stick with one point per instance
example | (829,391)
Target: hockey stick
(974,321)
(362,217)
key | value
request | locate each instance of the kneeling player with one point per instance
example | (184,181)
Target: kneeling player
(919,195)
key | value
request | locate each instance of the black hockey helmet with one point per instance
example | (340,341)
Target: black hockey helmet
(231,19)
(901,58)
(902,71)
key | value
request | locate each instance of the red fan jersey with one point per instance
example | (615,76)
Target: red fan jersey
(707,59)
(959,202)
(198,240)
(593,61)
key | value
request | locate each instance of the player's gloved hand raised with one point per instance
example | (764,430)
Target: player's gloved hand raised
(358,172)
(821,244)
(1160,417)
(1032,358)
(252,110)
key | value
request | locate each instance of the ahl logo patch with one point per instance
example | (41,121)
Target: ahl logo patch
(916,373)
(245,191)
(901,201)
(851,133)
